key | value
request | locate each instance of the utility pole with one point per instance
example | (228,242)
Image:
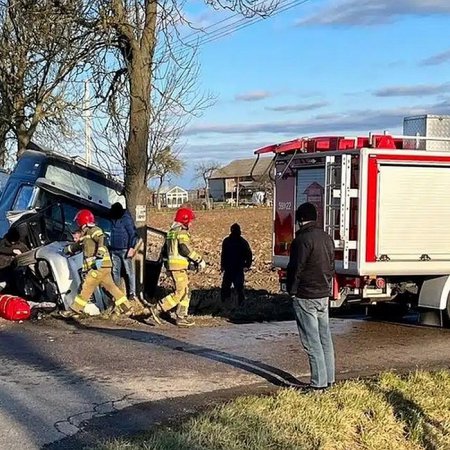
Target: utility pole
(87,123)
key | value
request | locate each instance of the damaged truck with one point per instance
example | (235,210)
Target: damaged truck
(40,199)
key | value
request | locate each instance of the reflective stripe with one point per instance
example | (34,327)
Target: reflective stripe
(97,233)
(185,302)
(120,301)
(168,303)
(102,249)
(194,256)
(80,300)
(184,238)
(177,260)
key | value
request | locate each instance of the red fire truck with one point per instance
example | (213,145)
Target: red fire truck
(385,200)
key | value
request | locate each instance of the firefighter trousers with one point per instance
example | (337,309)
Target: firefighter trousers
(100,278)
(181,297)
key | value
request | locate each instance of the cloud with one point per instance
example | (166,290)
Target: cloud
(374,12)
(436,60)
(253,96)
(420,90)
(298,108)
(354,120)
(222,153)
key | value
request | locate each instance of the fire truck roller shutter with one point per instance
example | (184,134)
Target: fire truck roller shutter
(414,212)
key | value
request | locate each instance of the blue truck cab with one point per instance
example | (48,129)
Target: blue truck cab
(42,178)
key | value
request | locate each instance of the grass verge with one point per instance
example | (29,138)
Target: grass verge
(390,412)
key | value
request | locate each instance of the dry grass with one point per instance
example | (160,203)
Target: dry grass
(391,412)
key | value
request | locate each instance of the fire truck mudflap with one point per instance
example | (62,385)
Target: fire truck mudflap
(385,203)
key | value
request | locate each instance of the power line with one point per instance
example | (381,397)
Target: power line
(242,22)
(285,8)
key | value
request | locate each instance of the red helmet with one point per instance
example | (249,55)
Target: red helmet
(184,216)
(84,217)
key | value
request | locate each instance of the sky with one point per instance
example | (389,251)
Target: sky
(322,67)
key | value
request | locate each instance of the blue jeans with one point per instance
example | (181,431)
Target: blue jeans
(314,329)
(119,260)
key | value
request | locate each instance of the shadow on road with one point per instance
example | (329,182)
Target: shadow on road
(273,375)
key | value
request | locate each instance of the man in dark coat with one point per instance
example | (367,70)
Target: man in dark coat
(123,240)
(235,259)
(10,248)
(309,280)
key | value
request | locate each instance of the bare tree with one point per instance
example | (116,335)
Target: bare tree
(203,172)
(166,163)
(42,55)
(133,31)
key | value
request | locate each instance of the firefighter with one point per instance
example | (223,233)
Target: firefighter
(96,264)
(179,256)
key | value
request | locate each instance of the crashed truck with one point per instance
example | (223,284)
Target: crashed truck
(385,200)
(40,199)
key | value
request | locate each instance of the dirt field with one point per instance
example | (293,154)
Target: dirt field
(208,231)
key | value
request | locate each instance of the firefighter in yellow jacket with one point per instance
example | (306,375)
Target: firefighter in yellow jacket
(96,264)
(178,256)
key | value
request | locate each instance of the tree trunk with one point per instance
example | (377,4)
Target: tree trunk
(23,139)
(137,143)
(4,129)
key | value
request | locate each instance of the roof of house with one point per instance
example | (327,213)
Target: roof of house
(172,190)
(240,168)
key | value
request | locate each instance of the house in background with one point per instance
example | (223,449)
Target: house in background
(239,180)
(171,197)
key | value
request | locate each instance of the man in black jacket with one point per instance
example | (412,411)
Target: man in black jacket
(309,279)
(235,258)
(10,248)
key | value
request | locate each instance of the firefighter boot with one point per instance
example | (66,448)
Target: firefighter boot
(124,306)
(184,322)
(78,304)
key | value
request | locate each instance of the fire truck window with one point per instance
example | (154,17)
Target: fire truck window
(310,188)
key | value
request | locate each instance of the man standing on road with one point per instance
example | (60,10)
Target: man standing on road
(236,257)
(309,278)
(122,243)
(179,256)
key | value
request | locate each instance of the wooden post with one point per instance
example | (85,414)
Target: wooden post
(237,193)
(141,256)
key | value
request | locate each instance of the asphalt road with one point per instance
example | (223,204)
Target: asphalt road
(63,385)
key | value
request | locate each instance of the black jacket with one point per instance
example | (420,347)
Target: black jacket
(311,263)
(7,254)
(236,254)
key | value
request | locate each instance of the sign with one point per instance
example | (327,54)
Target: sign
(141,213)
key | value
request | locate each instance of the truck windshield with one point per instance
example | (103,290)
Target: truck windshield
(70,209)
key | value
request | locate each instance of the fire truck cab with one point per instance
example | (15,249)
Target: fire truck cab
(385,200)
